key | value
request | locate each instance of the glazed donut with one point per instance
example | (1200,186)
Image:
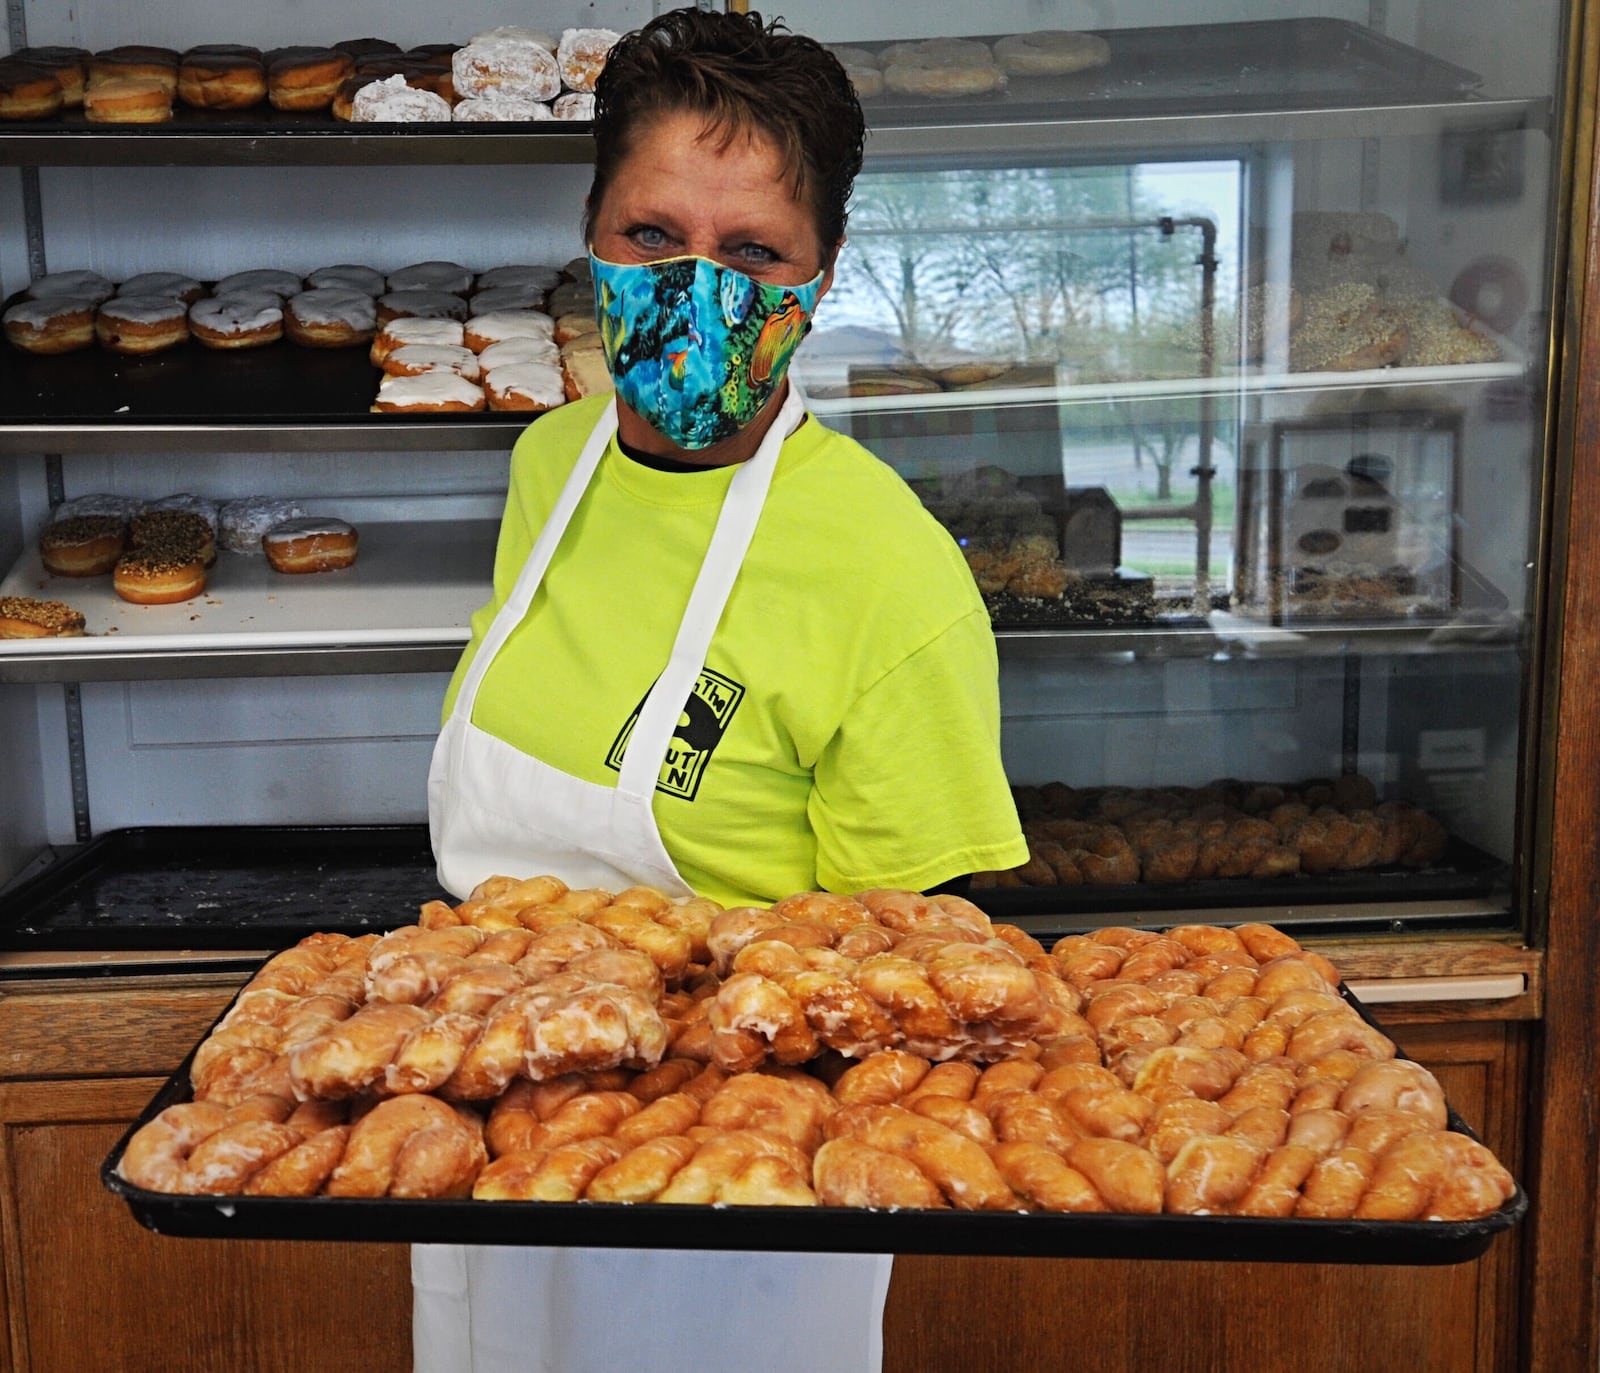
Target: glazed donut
(26,617)
(159,574)
(330,317)
(505,66)
(310,544)
(222,76)
(514,352)
(527,386)
(243,319)
(496,107)
(573,105)
(242,524)
(1050,52)
(274,279)
(305,78)
(581,56)
(410,1146)
(54,324)
(397,333)
(82,545)
(429,393)
(29,91)
(420,303)
(497,327)
(141,324)
(70,66)
(127,100)
(173,284)
(851,1172)
(157,1155)
(392,100)
(348,276)
(413,359)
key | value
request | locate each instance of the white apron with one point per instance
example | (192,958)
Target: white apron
(494,809)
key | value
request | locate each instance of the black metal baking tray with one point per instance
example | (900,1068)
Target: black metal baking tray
(1463,872)
(802,1229)
(280,383)
(222,887)
(1196,69)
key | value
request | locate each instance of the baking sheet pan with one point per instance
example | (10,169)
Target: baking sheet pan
(802,1229)
(222,887)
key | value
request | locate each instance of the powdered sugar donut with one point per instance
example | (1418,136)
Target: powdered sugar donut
(174,284)
(511,66)
(519,274)
(582,56)
(1051,52)
(482,330)
(349,276)
(424,304)
(513,352)
(391,101)
(330,317)
(413,359)
(280,283)
(414,329)
(242,524)
(573,105)
(529,386)
(428,392)
(141,324)
(241,319)
(123,508)
(496,108)
(432,276)
(506,298)
(516,33)
(77,283)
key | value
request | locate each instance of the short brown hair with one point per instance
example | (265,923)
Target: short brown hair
(745,76)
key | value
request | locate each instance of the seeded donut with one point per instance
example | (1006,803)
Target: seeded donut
(29,91)
(528,386)
(305,78)
(82,545)
(159,574)
(241,524)
(413,329)
(54,324)
(311,543)
(138,325)
(240,319)
(26,617)
(431,392)
(174,285)
(330,317)
(222,76)
(1051,52)
(421,304)
(506,66)
(349,276)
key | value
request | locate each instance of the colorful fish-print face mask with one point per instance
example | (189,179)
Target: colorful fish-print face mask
(696,348)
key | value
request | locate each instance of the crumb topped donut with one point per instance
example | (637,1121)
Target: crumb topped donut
(582,55)
(27,617)
(310,543)
(243,523)
(421,303)
(506,65)
(414,329)
(392,100)
(159,574)
(240,319)
(141,324)
(482,330)
(51,325)
(527,386)
(82,545)
(429,392)
(1051,52)
(432,276)
(330,317)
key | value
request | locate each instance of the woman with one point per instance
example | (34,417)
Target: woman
(728,652)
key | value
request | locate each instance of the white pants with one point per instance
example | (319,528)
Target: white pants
(494,1309)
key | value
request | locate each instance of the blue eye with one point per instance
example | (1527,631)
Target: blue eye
(648,236)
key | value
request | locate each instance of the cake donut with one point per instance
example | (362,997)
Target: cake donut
(173,284)
(430,392)
(498,108)
(241,319)
(159,574)
(530,386)
(305,78)
(310,543)
(82,545)
(29,91)
(392,100)
(432,276)
(413,359)
(482,330)
(509,66)
(349,276)
(242,524)
(514,351)
(413,329)
(69,66)
(27,617)
(1051,52)
(222,76)
(573,105)
(274,279)
(505,298)
(53,324)
(423,303)
(127,100)
(581,54)
(141,324)
(330,317)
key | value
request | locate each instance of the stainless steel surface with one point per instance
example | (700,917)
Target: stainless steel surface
(77,762)
(404,434)
(333,146)
(167,665)
(1398,916)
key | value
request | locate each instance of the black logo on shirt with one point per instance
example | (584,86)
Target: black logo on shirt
(705,719)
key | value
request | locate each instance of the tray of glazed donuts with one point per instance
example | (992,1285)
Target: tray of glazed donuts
(508,74)
(883,1071)
(1229,842)
(339,344)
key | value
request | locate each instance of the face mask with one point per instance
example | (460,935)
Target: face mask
(696,348)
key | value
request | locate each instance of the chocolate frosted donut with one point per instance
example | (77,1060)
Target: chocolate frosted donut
(222,76)
(29,91)
(69,65)
(305,78)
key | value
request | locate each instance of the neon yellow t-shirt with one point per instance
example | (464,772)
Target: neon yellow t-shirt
(845,731)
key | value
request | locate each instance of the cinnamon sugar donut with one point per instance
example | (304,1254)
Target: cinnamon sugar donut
(54,324)
(421,304)
(582,54)
(506,65)
(431,392)
(330,317)
(531,386)
(240,319)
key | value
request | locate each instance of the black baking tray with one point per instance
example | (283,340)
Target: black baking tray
(802,1229)
(1463,872)
(221,887)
